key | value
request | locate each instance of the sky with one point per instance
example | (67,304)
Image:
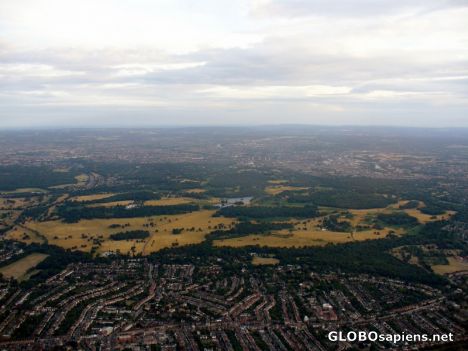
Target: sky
(244,62)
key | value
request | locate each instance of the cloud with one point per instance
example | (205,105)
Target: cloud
(352,8)
(356,61)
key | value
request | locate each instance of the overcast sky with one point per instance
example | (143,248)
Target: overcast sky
(175,62)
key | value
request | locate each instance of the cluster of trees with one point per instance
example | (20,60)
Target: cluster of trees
(238,183)
(15,176)
(73,213)
(34,212)
(26,329)
(342,199)
(397,219)
(131,234)
(432,210)
(138,196)
(259,212)
(333,223)
(246,228)
(162,176)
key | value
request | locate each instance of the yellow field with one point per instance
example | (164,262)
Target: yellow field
(301,238)
(277,189)
(196,225)
(359,215)
(82,178)
(20,233)
(93,197)
(260,261)
(456,264)
(161,202)
(421,217)
(169,201)
(196,191)
(70,235)
(25,190)
(19,269)
(200,220)
(122,246)
(424,218)
(11,203)
(306,232)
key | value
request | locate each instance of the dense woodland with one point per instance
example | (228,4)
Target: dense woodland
(131,234)
(137,196)
(342,199)
(259,212)
(73,213)
(18,177)
(246,228)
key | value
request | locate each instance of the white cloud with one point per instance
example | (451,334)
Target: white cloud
(312,61)
(273,92)
(34,70)
(137,69)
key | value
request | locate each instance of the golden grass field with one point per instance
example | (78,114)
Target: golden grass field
(456,264)
(277,189)
(82,178)
(20,202)
(360,215)
(260,261)
(306,232)
(18,233)
(301,238)
(196,191)
(92,197)
(169,201)
(160,202)
(19,269)
(424,218)
(69,235)
(25,190)
(202,220)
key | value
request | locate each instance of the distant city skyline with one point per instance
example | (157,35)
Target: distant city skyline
(214,62)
